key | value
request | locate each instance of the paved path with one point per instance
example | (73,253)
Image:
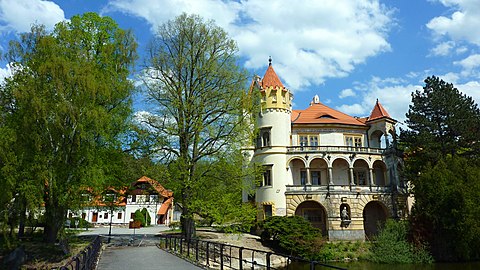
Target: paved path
(140,258)
(123,230)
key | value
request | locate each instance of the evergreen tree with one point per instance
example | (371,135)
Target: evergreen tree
(442,158)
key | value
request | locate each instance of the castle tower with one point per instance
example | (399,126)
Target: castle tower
(274,126)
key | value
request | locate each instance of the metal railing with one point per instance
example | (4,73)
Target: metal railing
(86,259)
(213,255)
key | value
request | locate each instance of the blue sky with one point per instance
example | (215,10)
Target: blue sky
(349,52)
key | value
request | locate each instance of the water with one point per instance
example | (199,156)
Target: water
(375,266)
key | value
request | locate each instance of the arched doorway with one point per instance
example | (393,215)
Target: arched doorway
(315,213)
(374,217)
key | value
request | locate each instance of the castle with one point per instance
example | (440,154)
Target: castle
(337,171)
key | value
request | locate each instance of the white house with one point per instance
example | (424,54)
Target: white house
(143,193)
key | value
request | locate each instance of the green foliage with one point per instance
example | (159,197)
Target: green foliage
(447,207)
(147,218)
(442,163)
(293,234)
(344,250)
(391,246)
(199,120)
(143,217)
(68,103)
(441,121)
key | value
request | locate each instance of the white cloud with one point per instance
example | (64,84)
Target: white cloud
(472,89)
(393,93)
(469,63)
(308,41)
(347,93)
(443,48)
(462,24)
(19,15)
(5,72)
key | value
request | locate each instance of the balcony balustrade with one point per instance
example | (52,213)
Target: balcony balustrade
(335,149)
(336,188)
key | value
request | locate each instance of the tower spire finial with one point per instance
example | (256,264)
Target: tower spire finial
(269,61)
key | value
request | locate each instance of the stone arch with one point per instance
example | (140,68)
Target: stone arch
(360,172)
(340,171)
(374,217)
(318,171)
(314,212)
(379,173)
(376,138)
(297,169)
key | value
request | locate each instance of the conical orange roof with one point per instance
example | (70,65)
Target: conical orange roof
(378,112)
(271,79)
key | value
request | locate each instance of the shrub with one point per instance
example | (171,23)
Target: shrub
(293,234)
(391,246)
(148,219)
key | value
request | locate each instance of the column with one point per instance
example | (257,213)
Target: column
(309,178)
(352,182)
(370,177)
(330,175)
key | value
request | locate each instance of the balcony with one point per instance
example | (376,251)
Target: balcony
(336,189)
(335,149)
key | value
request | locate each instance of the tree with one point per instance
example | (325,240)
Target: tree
(441,121)
(198,88)
(69,102)
(441,149)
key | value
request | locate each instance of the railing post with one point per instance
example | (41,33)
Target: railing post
(268,260)
(188,248)
(312,265)
(221,256)
(207,253)
(196,251)
(240,258)
(181,245)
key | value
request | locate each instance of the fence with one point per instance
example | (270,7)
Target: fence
(221,256)
(86,259)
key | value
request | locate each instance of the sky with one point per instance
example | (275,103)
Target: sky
(348,52)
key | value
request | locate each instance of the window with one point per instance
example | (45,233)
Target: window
(267,175)
(263,139)
(70,215)
(267,211)
(84,215)
(119,215)
(134,198)
(273,95)
(315,176)
(303,177)
(353,141)
(132,215)
(105,216)
(360,178)
(308,140)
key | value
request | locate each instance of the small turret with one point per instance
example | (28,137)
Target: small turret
(273,93)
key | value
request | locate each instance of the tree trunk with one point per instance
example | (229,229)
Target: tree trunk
(188,225)
(54,219)
(22,218)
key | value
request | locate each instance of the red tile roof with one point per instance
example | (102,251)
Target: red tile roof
(157,186)
(271,79)
(165,205)
(318,113)
(378,112)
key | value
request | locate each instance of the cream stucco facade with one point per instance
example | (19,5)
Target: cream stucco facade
(338,171)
